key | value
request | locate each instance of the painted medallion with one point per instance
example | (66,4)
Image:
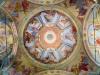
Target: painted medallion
(91,32)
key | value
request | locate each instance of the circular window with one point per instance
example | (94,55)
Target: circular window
(8,39)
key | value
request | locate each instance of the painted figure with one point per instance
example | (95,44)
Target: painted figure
(25,5)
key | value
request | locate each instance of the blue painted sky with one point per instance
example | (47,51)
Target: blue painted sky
(1,1)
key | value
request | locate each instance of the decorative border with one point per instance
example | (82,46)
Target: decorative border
(55,72)
(46,2)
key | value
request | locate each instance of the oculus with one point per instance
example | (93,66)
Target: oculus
(50,37)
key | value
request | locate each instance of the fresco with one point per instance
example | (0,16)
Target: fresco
(92,31)
(49,37)
(46,2)
(8,45)
(53,72)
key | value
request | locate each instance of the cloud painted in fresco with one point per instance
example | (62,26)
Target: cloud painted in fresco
(1,1)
